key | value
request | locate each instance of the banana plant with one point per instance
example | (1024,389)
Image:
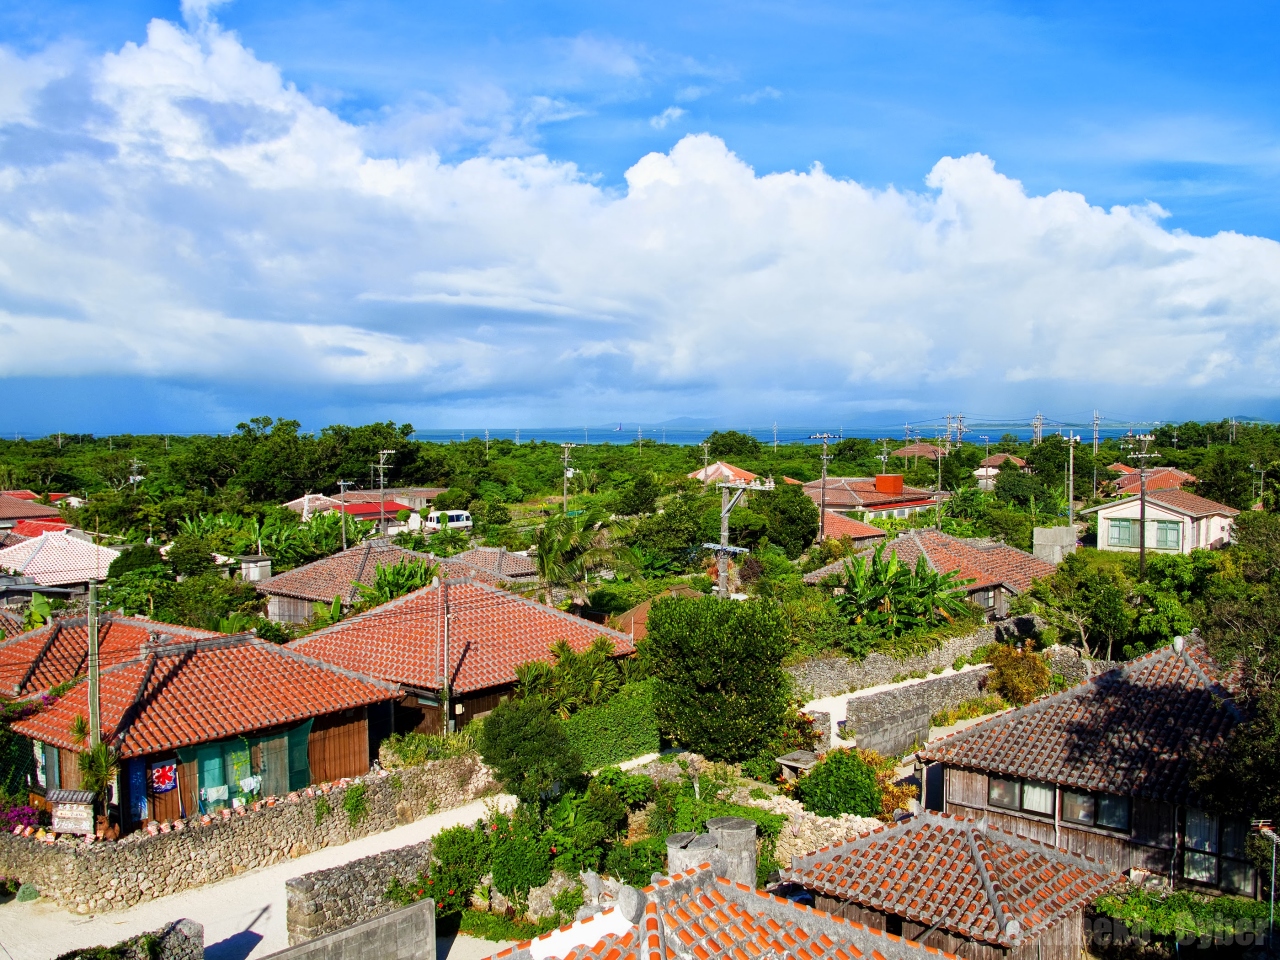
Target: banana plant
(38,612)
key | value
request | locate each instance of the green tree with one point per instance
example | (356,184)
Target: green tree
(842,782)
(642,497)
(525,746)
(568,548)
(720,689)
(791,517)
(723,445)
(139,557)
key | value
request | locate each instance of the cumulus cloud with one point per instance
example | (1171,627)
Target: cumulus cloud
(225,229)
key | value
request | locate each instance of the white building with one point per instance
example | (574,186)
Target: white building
(1177,522)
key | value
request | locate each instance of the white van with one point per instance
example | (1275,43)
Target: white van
(454,519)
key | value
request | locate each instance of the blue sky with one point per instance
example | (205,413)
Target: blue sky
(500,213)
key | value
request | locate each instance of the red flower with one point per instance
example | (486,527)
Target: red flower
(451,893)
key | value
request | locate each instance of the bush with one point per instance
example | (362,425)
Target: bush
(719,686)
(190,555)
(135,558)
(28,892)
(636,863)
(452,499)
(842,782)
(526,748)
(1182,915)
(968,709)
(460,856)
(414,749)
(1019,676)
(620,729)
(520,858)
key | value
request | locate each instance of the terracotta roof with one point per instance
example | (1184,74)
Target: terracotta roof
(33,528)
(491,632)
(322,580)
(499,561)
(722,471)
(984,562)
(13,508)
(972,880)
(1158,478)
(39,659)
(391,493)
(838,525)
(1132,731)
(1122,468)
(927,450)
(8,538)
(10,626)
(860,493)
(179,694)
(697,916)
(998,458)
(1179,501)
(635,622)
(57,558)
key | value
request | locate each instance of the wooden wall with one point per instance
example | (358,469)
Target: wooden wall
(68,769)
(289,609)
(339,745)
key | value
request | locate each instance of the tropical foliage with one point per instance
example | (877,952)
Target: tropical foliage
(395,580)
(885,598)
(568,548)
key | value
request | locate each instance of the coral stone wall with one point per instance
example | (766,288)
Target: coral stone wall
(104,876)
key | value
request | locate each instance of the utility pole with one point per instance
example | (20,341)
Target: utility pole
(95,709)
(706,455)
(444,680)
(486,445)
(987,446)
(517,436)
(640,439)
(1264,827)
(1142,456)
(566,447)
(1096,418)
(342,485)
(822,505)
(938,508)
(134,476)
(729,500)
(1037,429)
(884,456)
(959,430)
(381,466)
(775,436)
(1071,478)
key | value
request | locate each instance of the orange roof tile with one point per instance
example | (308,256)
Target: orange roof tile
(860,493)
(927,450)
(838,525)
(15,508)
(491,632)
(176,694)
(337,575)
(722,471)
(968,878)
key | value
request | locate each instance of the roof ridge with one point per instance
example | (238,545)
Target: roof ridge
(1008,925)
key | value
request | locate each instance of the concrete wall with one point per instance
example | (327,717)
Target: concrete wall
(107,876)
(832,674)
(405,934)
(1051,544)
(327,901)
(893,721)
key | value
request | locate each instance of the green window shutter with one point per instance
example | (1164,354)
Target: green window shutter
(299,758)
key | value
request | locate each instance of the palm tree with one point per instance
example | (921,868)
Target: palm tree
(567,549)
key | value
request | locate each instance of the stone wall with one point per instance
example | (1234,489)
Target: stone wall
(180,940)
(888,721)
(408,933)
(103,876)
(833,674)
(327,901)
(1067,662)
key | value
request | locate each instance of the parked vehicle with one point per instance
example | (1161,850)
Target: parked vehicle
(453,519)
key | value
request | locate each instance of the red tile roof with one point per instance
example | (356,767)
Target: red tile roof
(179,694)
(13,508)
(838,525)
(10,627)
(39,659)
(1158,478)
(722,471)
(697,916)
(1180,501)
(1133,731)
(491,633)
(927,450)
(972,880)
(1122,468)
(998,458)
(498,561)
(983,562)
(860,493)
(8,538)
(33,528)
(322,580)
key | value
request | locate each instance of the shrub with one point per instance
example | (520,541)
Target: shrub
(520,857)
(140,557)
(322,809)
(28,892)
(634,789)
(841,782)
(636,863)
(527,750)
(1017,675)
(968,709)
(414,749)
(1182,914)
(623,727)
(355,803)
(719,687)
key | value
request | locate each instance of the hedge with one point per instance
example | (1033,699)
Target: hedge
(620,729)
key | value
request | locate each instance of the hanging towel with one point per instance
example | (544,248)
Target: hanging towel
(216,793)
(250,784)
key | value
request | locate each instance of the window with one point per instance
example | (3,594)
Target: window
(1113,812)
(1078,807)
(1122,533)
(1200,862)
(1003,793)
(1037,798)
(1168,534)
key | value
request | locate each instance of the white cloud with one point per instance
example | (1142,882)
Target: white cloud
(764,93)
(225,229)
(667,116)
(691,93)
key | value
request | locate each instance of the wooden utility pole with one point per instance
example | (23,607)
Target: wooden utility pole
(95,708)
(822,496)
(1142,456)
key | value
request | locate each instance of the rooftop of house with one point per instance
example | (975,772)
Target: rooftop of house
(11,538)
(35,661)
(33,528)
(312,503)
(696,916)
(635,622)
(1179,501)
(372,508)
(17,508)
(1158,478)
(984,563)
(964,876)
(918,449)
(837,525)
(862,493)
(498,561)
(10,626)
(57,557)
(175,694)
(720,470)
(1122,468)
(392,493)
(1131,732)
(491,632)
(996,459)
(337,575)
(32,495)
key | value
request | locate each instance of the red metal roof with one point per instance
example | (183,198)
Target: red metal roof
(179,694)
(968,878)
(388,508)
(491,632)
(33,528)
(697,916)
(1133,731)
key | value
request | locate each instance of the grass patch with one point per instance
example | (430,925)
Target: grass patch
(968,709)
(498,926)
